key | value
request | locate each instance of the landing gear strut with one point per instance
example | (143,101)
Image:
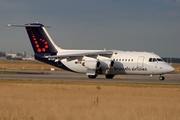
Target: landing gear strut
(93,76)
(161,78)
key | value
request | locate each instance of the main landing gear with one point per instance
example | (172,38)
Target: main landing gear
(109,76)
(161,78)
(92,76)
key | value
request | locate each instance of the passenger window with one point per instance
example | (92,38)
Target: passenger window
(131,60)
(119,59)
(128,59)
(116,59)
(122,59)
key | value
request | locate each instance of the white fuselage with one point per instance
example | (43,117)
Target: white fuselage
(125,62)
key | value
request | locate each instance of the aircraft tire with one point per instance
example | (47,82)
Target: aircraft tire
(92,76)
(109,76)
(161,78)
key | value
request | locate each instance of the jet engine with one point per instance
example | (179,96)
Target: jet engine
(107,64)
(92,64)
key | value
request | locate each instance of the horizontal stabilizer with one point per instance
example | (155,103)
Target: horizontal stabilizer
(40,40)
(27,25)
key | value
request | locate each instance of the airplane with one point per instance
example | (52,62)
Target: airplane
(93,62)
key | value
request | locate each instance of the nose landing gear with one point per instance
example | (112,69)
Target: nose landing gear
(161,78)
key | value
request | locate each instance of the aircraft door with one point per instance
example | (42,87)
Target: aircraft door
(140,62)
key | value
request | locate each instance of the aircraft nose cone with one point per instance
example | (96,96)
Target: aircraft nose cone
(170,68)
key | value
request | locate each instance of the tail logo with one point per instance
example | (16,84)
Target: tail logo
(41,45)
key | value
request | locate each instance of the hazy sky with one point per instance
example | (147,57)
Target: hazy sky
(132,25)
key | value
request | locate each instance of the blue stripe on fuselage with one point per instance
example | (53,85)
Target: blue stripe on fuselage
(58,64)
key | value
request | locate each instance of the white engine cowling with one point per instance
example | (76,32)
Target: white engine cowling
(107,64)
(92,64)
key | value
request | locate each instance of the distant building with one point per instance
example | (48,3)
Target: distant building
(24,55)
(29,58)
(18,56)
(12,56)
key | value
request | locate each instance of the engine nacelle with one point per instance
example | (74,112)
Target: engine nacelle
(92,64)
(107,64)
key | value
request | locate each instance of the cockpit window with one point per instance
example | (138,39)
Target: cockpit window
(155,60)
(159,59)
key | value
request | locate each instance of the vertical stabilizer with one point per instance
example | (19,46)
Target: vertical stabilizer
(39,38)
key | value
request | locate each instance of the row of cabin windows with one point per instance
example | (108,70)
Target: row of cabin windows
(126,60)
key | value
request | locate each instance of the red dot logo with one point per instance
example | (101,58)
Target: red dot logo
(39,50)
(46,46)
(43,49)
(37,45)
(35,42)
(40,47)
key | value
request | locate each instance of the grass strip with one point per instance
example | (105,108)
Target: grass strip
(118,84)
(16,72)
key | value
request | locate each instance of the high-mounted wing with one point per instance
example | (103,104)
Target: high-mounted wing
(80,55)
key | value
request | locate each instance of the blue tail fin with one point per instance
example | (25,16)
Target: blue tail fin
(42,44)
(40,40)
